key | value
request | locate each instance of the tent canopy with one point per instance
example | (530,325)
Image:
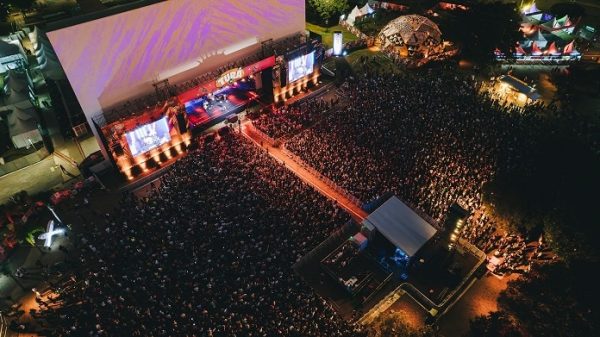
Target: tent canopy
(366,10)
(353,15)
(520,86)
(401,225)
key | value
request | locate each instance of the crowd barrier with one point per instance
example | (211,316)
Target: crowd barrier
(323,178)
(261,135)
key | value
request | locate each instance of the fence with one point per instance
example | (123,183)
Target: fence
(263,136)
(323,178)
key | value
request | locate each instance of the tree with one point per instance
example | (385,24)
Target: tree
(554,190)
(22,4)
(496,324)
(555,300)
(484,28)
(393,324)
(328,8)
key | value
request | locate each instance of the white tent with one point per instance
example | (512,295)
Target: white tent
(399,224)
(366,10)
(540,39)
(355,13)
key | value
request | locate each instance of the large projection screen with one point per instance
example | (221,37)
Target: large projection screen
(301,66)
(148,137)
(117,57)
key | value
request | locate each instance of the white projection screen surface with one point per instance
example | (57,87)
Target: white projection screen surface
(117,57)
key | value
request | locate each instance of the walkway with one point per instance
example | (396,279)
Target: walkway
(355,211)
(45,174)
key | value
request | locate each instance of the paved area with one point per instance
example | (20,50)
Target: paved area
(480,299)
(46,174)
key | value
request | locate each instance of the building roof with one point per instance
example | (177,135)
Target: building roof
(412,29)
(401,225)
(520,86)
(8,49)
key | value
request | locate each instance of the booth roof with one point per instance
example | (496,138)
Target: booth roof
(401,225)
(520,86)
(8,49)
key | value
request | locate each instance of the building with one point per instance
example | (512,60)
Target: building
(123,66)
(12,56)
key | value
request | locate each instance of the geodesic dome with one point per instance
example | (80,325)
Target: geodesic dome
(411,31)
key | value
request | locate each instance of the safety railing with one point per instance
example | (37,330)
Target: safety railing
(323,178)
(261,135)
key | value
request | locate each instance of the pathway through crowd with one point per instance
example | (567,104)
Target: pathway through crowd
(325,189)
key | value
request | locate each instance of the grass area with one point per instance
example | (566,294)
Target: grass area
(327,33)
(375,61)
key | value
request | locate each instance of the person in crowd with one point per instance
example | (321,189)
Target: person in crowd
(209,253)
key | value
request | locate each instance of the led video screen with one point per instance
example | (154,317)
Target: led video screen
(300,66)
(114,58)
(148,137)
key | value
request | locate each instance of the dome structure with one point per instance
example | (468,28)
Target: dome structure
(411,35)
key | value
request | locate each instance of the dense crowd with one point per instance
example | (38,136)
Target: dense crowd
(428,137)
(208,253)
(290,119)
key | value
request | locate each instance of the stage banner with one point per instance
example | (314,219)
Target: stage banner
(227,77)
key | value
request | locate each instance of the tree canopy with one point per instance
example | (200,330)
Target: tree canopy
(555,190)
(552,300)
(496,324)
(21,4)
(483,28)
(327,9)
(393,324)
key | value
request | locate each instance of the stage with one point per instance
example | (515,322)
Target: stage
(220,104)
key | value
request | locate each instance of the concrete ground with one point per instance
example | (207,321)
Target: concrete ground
(480,299)
(46,174)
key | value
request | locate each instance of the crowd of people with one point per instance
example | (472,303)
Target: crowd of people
(290,119)
(428,137)
(208,253)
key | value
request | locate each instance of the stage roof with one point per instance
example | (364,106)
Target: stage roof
(401,225)
(520,86)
